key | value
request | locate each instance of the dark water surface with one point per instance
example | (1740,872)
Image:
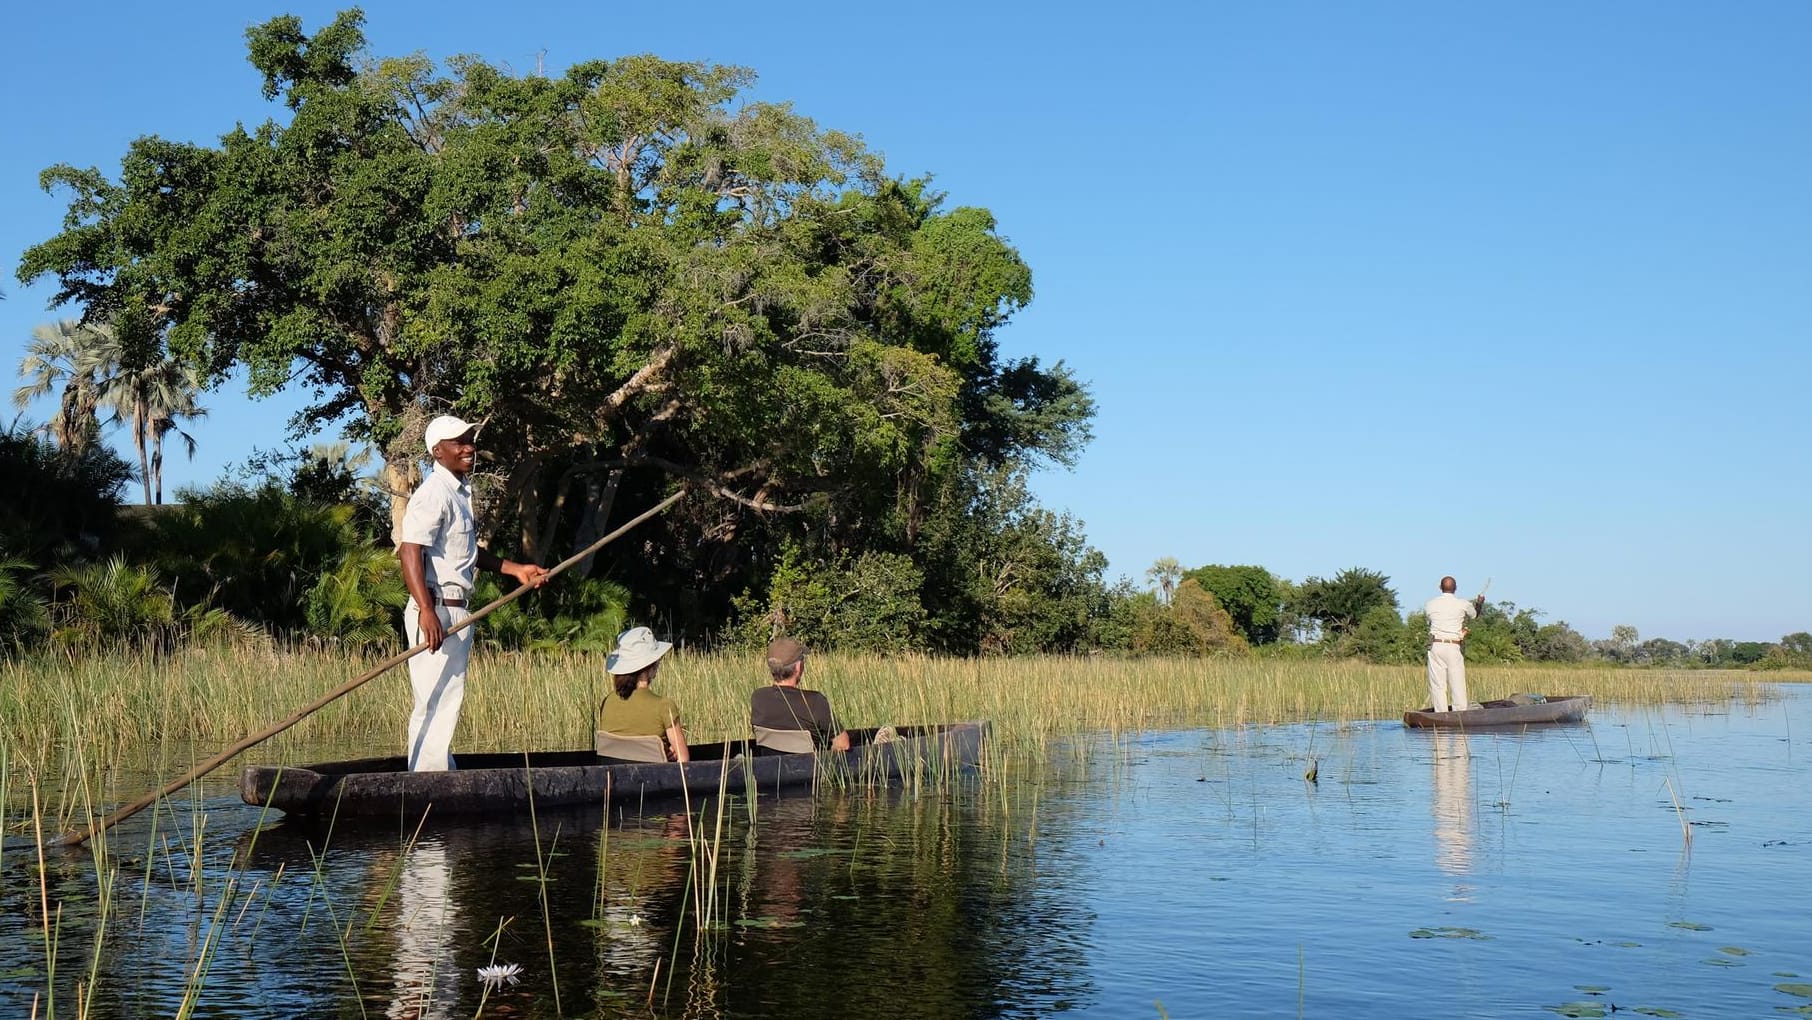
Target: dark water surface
(1188,874)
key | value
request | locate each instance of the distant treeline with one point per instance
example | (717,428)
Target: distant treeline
(1357,613)
(295,549)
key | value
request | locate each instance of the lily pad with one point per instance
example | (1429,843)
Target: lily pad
(1592,989)
(1578,1009)
(1720,961)
(1690,925)
(1733,950)
(1803,991)
(1449,933)
(1656,1011)
(767,922)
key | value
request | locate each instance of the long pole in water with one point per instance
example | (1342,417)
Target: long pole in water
(76,837)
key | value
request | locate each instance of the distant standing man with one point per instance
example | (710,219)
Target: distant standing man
(1447,616)
(438,546)
(784,705)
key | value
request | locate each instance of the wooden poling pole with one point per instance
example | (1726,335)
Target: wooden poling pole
(76,837)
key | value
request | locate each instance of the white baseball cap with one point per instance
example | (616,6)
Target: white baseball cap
(446,427)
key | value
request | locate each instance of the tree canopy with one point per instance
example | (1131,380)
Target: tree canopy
(632,276)
(1338,604)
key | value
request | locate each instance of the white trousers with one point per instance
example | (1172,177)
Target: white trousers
(439,680)
(1446,672)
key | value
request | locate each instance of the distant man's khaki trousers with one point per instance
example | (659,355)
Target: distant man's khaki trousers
(1446,672)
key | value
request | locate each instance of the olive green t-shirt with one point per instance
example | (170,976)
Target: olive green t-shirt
(644,714)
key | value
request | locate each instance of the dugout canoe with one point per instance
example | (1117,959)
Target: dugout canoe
(1508,712)
(549,780)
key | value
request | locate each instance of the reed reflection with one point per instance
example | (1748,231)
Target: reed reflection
(1452,803)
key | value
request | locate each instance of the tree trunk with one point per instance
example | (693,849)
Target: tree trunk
(598,501)
(138,439)
(400,477)
(157,464)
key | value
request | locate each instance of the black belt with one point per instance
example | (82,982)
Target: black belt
(458,603)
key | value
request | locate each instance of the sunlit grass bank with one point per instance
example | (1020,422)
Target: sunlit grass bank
(120,707)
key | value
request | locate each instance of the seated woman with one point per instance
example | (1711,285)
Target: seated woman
(634,710)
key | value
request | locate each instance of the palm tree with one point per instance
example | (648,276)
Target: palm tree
(150,400)
(79,357)
(1166,572)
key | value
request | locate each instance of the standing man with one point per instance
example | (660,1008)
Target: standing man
(784,705)
(1447,616)
(438,545)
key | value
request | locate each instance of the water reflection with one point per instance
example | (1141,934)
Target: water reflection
(1185,868)
(1453,828)
(424,975)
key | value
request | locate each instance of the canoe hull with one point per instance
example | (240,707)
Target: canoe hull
(1498,714)
(551,780)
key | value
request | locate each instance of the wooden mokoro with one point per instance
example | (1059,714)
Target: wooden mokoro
(508,783)
(1569,709)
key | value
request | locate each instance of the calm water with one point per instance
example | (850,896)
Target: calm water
(1193,873)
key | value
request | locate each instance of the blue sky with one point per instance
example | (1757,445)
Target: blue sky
(1506,290)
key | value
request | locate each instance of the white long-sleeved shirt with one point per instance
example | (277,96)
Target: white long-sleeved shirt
(1447,615)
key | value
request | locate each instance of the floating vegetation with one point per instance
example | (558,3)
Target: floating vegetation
(1803,991)
(1733,950)
(1592,989)
(1690,926)
(1720,961)
(1450,933)
(767,922)
(1656,1011)
(1579,1009)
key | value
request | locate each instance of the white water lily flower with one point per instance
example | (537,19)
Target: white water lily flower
(497,974)
(635,920)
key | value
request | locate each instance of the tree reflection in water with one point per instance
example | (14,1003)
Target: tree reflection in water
(839,905)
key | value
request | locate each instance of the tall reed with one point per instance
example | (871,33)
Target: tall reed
(190,702)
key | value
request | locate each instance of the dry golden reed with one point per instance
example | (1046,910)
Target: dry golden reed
(118,706)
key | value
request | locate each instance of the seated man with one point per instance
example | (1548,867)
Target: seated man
(785,706)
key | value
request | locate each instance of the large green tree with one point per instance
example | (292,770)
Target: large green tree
(634,278)
(1340,602)
(1251,595)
